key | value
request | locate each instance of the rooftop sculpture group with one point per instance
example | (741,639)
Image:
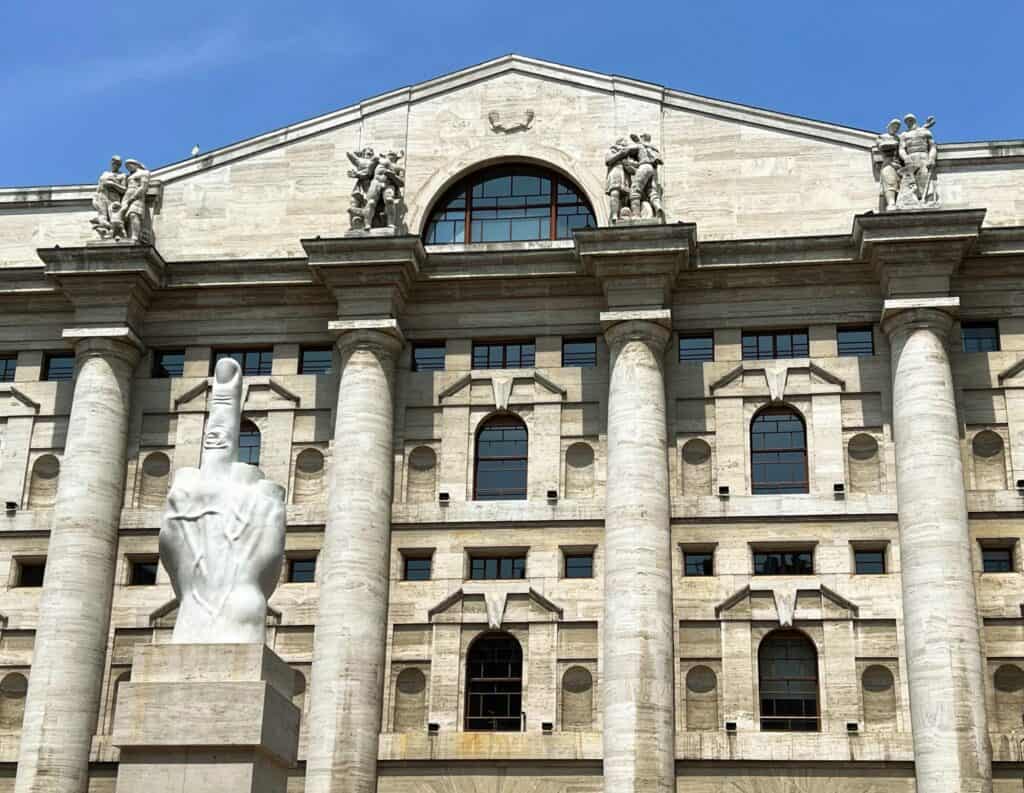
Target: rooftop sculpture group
(120,203)
(377,193)
(633,184)
(908,164)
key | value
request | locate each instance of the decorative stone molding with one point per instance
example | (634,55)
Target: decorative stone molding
(501,385)
(494,119)
(785,593)
(495,595)
(776,375)
(15,393)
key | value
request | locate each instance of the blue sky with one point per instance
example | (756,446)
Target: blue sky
(79,81)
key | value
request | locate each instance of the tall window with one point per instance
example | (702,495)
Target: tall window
(494,684)
(776,344)
(513,203)
(787,666)
(778,452)
(501,452)
(248,443)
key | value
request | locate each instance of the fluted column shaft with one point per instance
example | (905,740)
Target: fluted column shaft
(74,614)
(351,631)
(952,753)
(637,643)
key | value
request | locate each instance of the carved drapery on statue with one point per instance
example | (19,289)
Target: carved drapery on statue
(633,183)
(222,537)
(907,165)
(377,204)
(121,204)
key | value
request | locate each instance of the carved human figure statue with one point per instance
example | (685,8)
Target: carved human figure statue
(377,193)
(617,180)
(918,152)
(222,536)
(888,144)
(907,165)
(134,205)
(107,201)
(644,185)
(632,183)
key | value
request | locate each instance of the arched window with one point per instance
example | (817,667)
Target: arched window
(501,449)
(494,684)
(787,666)
(778,452)
(248,443)
(509,203)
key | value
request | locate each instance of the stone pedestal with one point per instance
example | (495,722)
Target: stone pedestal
(206,718)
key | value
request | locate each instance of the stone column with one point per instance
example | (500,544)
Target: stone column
(351,631)
(952,753)
(638,671)
(74,614)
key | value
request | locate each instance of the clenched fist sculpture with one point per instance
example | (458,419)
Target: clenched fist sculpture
(222,536)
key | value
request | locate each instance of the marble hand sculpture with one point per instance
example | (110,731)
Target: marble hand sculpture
(222,536)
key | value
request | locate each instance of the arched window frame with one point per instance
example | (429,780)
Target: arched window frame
(499,421)
(494,684)
(762,485)
(809,718)
(461,204)
(248,451)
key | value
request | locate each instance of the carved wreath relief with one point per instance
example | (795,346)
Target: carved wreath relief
(908,164)
(377,192)
(633,184)
(120,203)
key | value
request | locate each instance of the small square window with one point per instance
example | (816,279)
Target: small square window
(301,570)
(579,565)
(869,562)
(8,365)
(783,563)
(698,564)
(142,572)
(316,360)
(428,357)
(980,336)
(31,572)
(253,362)
(856,342)
(168,363)
(697,347)
(417,568)
(579,352)
(997,560)
(59,366)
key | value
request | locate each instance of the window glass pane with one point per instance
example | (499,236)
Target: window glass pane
(418,569)
(579,565)
(249,444)
(997,560)
(8,365)
(697,348)
(780,344)
(301,571)
(143,573)
(980,336)
(579,352)
(316,360)
(59,366)
(494,669)
(783,563)
(253,362)
(778,453)
(856,341)
(698,564)
(869,562)
(430,358)
(168,363)
(497,567)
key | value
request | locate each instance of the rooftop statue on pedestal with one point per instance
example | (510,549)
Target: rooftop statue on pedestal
(222,538)
(633,185)
(377,193)
(907,176)
(122,211)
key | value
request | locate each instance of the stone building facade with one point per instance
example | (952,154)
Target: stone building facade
(724,493)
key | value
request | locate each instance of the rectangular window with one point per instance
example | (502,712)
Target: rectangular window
(497,567)
(579,352)
(980,336)
(997,560)
(579,565)
(869,562)
(316,360)
(776,344)
(504,355)
(253,362)
(142,572)
(8,365)
(855,342)
(698,564)
(168,363)
(417,568)
(59,366)
(697,347)
(302,570)
(783,563)
(428,357)
(30,572)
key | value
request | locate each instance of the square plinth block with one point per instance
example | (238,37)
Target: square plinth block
(205,718)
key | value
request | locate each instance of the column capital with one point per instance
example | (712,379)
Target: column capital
(383,335)
(650,326)
(935,313)
(118,341)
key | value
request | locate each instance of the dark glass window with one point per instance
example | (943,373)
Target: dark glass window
(417,568)
(698,564)
(980,336)
(248,443)
(316,360)
(504,355)
(501,455)
(778,452)
(59,366)
(494,684)
(509,204)
(168,363)
(997,560)
(697,347)
(788,674)
(856,341)
(302,570)
(776,344)
(497,567)
(253,362)
(142,572)
(869,562)
(579,565)
(579,352)
(428,357)
(31,572)
(783,563)
(8,365)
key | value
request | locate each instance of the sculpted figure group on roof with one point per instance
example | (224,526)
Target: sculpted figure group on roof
(907,179)
(377,193)
(120,202)
(632,184)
